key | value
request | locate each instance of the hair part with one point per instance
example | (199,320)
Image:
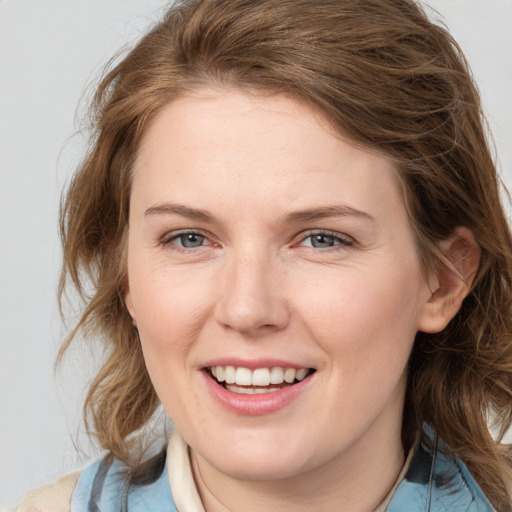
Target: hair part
(388,78)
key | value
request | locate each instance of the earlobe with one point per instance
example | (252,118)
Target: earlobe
(453,282)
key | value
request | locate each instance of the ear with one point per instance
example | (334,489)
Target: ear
(129,303)
(452,283)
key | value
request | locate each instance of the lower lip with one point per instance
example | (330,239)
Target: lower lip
(257,404)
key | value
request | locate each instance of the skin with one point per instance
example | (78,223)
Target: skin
(255,287)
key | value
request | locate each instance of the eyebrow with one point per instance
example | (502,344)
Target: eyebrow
(325,212)
(297,217)
(179,209)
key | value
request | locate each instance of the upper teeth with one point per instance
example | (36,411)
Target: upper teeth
(258,377)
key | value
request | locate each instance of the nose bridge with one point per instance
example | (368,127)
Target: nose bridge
(252,297)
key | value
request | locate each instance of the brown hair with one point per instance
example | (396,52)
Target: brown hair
(388,77)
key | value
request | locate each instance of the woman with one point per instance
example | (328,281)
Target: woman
(292,226)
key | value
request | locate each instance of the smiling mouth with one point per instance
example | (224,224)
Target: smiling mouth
(261,380)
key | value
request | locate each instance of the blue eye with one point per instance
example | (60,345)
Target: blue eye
(322,241)
(190,240)
(325,240)
(185,240)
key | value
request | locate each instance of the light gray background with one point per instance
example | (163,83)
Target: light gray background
(49,50)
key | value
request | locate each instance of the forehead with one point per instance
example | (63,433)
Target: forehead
(256,146)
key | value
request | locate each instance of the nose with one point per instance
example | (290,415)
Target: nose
(252,300)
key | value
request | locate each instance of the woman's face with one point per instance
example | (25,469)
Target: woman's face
(264,249)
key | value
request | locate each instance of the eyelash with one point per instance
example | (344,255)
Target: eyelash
(340,241)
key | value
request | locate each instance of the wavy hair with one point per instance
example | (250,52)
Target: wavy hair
(385,75)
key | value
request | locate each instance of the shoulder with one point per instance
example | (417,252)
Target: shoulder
(102,485)
(437,480)
(105,485)
(54,497)
(108,485)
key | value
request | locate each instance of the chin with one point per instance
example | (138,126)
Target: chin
(260,458)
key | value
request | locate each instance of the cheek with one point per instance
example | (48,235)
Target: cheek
(169,317)
(362,317)
(169,310)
